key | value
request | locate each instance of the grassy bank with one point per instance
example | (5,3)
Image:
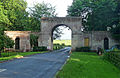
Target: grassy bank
(88,65)
(66,42)
(13,55)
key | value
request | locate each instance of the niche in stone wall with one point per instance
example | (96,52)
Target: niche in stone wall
(17,43)
(106,43)
(86,42)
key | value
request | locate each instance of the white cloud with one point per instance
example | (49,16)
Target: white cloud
(61,5)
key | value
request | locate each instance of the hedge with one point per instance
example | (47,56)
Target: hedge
(83,49)
(58,46)
(41,48)
(113,57)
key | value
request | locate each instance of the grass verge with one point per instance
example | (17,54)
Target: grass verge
(88,65)
(18,55)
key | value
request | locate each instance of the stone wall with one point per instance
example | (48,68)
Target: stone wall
(96,39)
(48,24)
(24,39)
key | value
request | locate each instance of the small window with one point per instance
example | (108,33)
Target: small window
(86,42)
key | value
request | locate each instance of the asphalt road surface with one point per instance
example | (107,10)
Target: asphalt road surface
(43,65)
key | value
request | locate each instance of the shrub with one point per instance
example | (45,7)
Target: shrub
(83,49)
(58,46)
(63,44)
(68,45)
(41,48)
(5,42)
(113,57)
(33,40)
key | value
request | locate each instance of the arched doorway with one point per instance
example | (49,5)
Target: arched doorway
(49,23)
(106,43)
(61,36)
(17,43)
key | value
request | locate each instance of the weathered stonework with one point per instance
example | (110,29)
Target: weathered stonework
(96,38)
(24,39)
(48,24)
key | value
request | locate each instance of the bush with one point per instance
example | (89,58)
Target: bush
(33,40)
(113,57)
(68,45)
(83,49)
(58,46)
(41,48)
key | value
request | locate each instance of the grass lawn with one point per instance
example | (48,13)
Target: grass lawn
(88,65)
(66,42)
(13,55)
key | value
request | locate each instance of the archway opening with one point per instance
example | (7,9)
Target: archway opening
(17,43)
(61,37)
(106,43)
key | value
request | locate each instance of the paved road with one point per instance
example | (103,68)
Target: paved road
(37,66)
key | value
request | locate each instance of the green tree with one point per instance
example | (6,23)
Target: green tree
(96,14)
(16,13)
(5,42)
(4,21)
(38,11)
(42,10)
(115,30)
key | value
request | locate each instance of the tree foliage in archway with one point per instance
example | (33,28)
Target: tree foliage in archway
(57,33)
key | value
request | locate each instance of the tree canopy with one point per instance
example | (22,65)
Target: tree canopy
(115,30)
(43,10)
(97,14)
(15,13)
(40,10)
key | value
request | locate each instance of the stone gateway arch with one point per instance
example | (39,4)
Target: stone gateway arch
(49,23)
(93,39)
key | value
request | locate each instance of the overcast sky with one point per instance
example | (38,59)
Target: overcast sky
(61,5)
(61,10)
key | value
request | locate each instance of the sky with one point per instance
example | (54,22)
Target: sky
(61,10)
(66,33)
(61,5)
